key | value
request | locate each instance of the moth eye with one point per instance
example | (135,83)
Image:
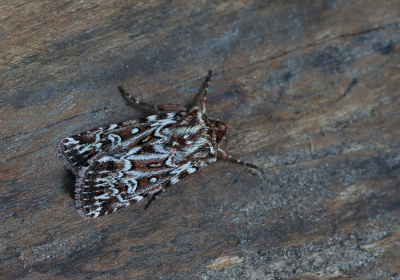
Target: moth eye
(134,130)
(153,180)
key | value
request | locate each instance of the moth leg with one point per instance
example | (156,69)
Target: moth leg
(204,89)
(159,108)
(152,198)
(226,155)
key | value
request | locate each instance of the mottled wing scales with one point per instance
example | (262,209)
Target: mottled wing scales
(114,181)
(109,184)
(121,164)
(76,151)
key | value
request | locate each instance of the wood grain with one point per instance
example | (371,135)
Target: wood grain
(310,92)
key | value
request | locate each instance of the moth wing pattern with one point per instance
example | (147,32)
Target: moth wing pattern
(121,164)
(77,150)
(109,183)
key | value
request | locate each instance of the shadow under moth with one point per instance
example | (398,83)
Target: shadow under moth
(120,164)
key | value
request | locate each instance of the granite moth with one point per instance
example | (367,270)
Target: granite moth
(123,163)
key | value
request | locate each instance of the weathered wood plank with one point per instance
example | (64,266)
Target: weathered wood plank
(310,92)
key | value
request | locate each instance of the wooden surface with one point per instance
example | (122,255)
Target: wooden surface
(310,91)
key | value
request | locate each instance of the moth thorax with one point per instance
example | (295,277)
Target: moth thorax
(219,131)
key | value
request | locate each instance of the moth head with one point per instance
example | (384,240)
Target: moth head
(221,129)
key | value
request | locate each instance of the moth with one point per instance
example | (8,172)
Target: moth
(123,163)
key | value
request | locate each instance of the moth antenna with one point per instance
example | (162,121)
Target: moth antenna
(224,154)
(206,82)
(204,90)
(159,108)
(136,100)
